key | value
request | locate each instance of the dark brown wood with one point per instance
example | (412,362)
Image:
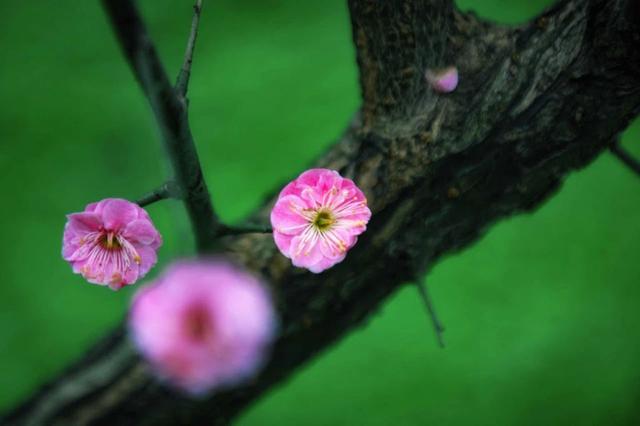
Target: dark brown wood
(534,103)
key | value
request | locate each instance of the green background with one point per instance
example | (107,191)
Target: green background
(541,314)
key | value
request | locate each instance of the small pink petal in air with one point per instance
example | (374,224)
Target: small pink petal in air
(113,243)
(203,325)
(443,80)
(317,219)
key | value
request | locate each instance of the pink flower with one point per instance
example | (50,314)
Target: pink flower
(113,242)
(444,80)
(203,324)
(317,218)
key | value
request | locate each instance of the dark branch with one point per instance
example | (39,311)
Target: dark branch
(166,190)
(625,157)
(533,104)
(246,229)
(435,321)
(182,84)
(171,114)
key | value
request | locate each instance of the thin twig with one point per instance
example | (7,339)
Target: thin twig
(171,115)
(246,229)
(624,156)
(437,325)
(182,83)
(166,190)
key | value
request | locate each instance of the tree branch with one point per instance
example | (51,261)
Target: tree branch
(533,104)
(435,321)
(170,112)
(625,157)
(164,191)
(249,228)
(182,84)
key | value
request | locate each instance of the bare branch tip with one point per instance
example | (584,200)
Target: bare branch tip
(182,83)
(438,328)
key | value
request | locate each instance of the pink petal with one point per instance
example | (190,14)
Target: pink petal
(304,253)
(83,223)
(140,230)
(283,242)
(324,263)
(313,177)
(443,81)
(331,250)
(118,213)
(287,217)
(289,189)
(148,258)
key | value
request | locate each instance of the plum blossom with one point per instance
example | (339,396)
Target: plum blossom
(443,80)
(112,242)
(203,324)
(317,219)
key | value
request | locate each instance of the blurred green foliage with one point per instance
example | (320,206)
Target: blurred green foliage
(541,315)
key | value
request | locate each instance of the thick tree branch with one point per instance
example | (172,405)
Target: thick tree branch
(534,103)
(171,113)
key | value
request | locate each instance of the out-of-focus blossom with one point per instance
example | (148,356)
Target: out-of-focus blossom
(113,242)
(317,219)
(203,324)
(443,80)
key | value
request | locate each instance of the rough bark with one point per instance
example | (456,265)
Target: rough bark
(534,103)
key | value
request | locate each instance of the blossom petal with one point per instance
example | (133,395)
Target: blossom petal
(83,223)
(140,230)
(148,258)
(118,213)
(304,251)
(287,216)
(283,242)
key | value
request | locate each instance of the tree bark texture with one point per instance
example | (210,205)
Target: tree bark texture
(534,103)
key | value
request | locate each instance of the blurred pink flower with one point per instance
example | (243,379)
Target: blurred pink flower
(113,242)
(444,80)
(317,218)
(203,324)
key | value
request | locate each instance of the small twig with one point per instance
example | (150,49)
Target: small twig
(166,190)
(246,229)
(171,115)
(437,325)
(625,157)
(182,83)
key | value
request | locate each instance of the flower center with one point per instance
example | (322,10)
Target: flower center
(109,241)
(197,324)
(323,220)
